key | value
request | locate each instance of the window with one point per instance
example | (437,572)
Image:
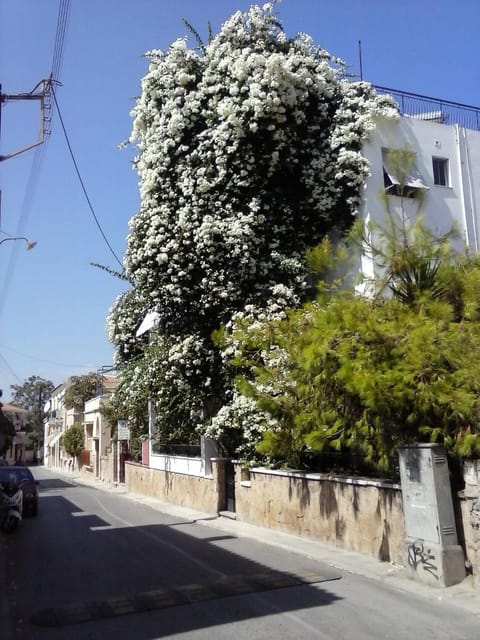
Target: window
(440,172)
(400,175)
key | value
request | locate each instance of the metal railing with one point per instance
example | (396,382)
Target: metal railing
(434,109)
(186,450)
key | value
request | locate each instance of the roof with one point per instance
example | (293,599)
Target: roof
(434,109)
(11,408)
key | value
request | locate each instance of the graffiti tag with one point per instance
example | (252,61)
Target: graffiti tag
(418,556)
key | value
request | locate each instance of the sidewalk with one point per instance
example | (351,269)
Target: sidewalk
(463,595)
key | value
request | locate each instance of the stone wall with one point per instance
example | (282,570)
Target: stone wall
(353,513)
(470,516)
(205,493)
(108,466)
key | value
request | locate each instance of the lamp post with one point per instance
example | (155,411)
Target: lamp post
(30,245)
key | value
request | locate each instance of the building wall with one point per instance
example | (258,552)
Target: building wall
(18,448)
(97,435)
(442,206)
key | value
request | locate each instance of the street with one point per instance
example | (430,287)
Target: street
(98,565)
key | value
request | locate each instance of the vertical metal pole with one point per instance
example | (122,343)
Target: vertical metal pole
(360,58)
(1,102)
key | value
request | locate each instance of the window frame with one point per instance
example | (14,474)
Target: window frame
(414,182)
(441,169)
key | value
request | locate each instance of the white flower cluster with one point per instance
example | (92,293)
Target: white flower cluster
(247,155)
(242,416)
(122,322)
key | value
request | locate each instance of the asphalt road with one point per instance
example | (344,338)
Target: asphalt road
(98,565)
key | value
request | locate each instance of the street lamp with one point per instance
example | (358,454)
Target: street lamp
(30,245)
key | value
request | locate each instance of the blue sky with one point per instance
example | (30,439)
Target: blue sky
(53,303)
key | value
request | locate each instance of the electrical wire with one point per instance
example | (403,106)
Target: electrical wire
(82,184)
(10,368)
(60,364)
(24,212)
(39,153)
(62,22)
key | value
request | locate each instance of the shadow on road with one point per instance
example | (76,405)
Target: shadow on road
(55,483)
(73,571)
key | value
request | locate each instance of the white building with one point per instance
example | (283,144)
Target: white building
(445,140)
(54,426)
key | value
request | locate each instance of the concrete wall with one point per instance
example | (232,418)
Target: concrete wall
(352,513)
(205,493)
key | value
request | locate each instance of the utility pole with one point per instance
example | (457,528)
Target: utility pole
(42,93)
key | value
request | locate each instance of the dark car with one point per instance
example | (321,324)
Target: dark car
(27,484)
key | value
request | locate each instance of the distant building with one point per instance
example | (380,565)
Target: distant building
(20,448)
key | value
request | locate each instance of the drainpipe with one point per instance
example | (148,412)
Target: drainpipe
(466,189)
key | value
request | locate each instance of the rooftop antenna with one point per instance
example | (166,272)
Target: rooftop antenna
(360,58)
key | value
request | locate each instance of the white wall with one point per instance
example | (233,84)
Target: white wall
(178,464)
(458,203)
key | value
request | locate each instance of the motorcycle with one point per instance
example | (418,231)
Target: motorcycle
(11,505)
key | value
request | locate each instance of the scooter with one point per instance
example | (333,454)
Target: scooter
(11,505)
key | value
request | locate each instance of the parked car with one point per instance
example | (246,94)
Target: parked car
(27,484)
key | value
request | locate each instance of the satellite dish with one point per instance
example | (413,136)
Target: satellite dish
(46,406)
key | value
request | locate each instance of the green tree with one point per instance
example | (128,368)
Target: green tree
(73,440)
(364,375)
(32,395)
(7,431)
(367,376)
(79,390)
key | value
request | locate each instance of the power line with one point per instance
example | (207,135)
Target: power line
(92,211)
(60,364)
(10,368)
(62,21)
(24,212)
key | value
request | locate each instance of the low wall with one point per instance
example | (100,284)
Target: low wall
(353,513)
(205,493)
(469,500)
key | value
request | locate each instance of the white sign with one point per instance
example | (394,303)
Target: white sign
(123,430)
(148,323)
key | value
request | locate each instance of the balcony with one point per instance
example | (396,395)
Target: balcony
(434,109)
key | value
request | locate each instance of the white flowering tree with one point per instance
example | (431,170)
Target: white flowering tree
(249,152)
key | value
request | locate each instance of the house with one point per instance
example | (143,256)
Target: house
(54,426)
(57,420)
(444,139)
(100,455)
(20,448)
(98,433)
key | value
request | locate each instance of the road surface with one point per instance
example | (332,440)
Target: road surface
(98,565)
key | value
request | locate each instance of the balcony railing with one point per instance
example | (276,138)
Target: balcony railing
(434,109)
